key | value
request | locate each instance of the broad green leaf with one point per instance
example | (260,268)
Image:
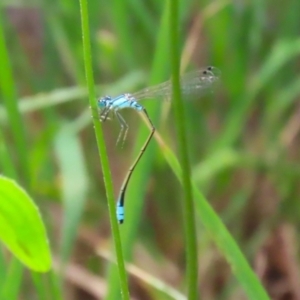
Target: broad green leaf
(21,227)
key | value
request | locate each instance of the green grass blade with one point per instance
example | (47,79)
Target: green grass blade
(5,159)
(8,89)
(179,112)
(3,266)
(74,185)
(120,12)
(225,242)
(12,282)
(102,148)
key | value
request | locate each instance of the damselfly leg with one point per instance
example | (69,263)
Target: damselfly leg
(103,115)
(108,106)
(124,129)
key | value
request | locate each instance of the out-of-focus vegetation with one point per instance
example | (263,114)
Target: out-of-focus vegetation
(243,142)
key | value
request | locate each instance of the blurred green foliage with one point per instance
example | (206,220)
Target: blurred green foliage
(243,142)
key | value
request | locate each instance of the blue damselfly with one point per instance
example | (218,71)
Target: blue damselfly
(193,83)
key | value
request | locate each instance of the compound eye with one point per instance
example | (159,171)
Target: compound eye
(103,101)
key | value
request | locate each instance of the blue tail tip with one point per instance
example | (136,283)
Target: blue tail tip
(120,213)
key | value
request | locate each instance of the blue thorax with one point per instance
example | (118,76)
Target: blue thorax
(119,102)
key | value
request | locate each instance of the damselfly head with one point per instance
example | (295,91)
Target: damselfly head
(104,101)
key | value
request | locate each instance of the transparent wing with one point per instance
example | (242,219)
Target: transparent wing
(193,83)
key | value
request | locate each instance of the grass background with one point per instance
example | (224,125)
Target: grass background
(243,143)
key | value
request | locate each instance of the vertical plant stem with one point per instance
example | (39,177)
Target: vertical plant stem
(102,148)
(189,212)
(8,89)
(120,12)
(6,162)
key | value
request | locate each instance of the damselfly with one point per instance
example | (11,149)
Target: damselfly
(193,83)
